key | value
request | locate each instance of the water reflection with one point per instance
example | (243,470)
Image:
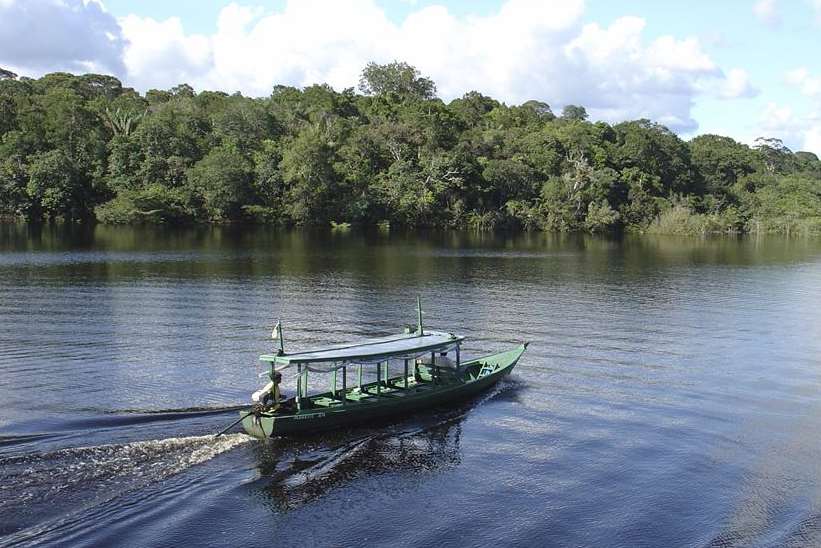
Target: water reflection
(671,393)
(294,473)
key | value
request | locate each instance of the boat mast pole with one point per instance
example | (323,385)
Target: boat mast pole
(278,335)
(419,315)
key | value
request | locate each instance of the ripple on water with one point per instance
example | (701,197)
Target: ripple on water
(670,395)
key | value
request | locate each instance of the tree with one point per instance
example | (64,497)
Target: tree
(472,107)
(600,216)
(101,85)
(397,78)
(773,152)
(243,122)
(182,90)
(542,109)
(7,74)
(14,199)
(121,122)
(308,173)
(655,151)
(720,162)
(574,113)
(222,181)
(75,146)
(57,188)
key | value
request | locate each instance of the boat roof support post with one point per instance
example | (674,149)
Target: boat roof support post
(344,385)
(299,387)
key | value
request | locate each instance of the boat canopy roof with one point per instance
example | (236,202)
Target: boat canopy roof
(406,345)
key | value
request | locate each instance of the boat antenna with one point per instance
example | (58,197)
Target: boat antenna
(419,315)
(277,334)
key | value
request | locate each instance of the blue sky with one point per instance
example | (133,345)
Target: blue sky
(744,68)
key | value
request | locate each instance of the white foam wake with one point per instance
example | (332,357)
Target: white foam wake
(28,478)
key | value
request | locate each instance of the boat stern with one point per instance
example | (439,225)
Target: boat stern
(258,426)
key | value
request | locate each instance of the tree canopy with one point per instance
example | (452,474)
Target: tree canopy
(396,78)
(86,147)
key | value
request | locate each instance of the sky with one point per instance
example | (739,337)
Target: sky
(742,68)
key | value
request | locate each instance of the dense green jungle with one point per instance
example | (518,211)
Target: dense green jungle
(85,148)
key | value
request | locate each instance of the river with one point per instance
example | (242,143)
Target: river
(671,394)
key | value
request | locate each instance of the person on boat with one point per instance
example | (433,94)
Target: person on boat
(444,361)
(270,395)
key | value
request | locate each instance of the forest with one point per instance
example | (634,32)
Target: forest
(84,148)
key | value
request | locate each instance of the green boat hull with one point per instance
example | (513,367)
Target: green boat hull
(476,376)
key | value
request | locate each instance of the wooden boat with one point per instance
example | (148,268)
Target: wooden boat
(413,372)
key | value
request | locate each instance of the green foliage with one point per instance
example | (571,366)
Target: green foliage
(574,113)
(57,187)
(790,205)
(151,204)
(309,177)
(399,79)
(221,182)
(78,147)
(721,162)
(682,220)
(600,216)
(5,73)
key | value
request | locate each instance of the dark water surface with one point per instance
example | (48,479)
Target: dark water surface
(670,396)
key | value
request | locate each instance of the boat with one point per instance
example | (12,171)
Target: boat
(413,372)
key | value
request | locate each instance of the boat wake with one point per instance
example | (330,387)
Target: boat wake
(182,411)
(35,484)
(295,476)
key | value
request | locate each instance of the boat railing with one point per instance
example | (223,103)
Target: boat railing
(435,368)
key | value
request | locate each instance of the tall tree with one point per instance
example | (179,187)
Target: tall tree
(397,78)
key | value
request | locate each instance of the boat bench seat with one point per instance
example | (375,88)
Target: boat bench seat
(384,391)
(400,383)
(326,402)
(357,396)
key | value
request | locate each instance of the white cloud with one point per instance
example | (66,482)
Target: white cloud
(798,131)
(812,139)
(767,12)
(816,5)
(49,35)
(527,49)
(627,79)
(736,85)
(804,129)
(163,55)
(808,84)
